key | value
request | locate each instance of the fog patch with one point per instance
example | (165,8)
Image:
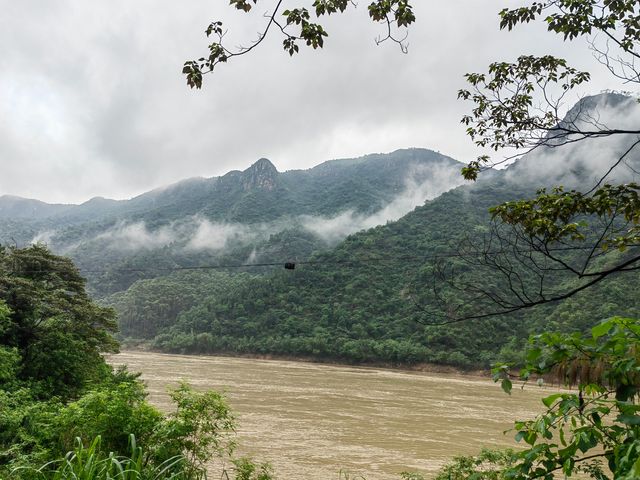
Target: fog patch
(45,237)
(583,163)
(136,236)
(217,236)
(442,178)
(252,258)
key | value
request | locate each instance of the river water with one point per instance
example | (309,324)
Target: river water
(310,421)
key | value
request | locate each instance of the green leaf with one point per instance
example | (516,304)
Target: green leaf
(629,419)
(550,400)
(506,385)
(602,329)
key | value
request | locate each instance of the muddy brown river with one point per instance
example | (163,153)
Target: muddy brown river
(312,420)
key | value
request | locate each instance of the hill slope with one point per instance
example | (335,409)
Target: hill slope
(249,216)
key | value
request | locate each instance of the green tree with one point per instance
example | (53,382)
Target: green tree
(51,322)
(596,427)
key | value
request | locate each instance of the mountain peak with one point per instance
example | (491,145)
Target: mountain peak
(586,108)
(262,164)
(262,175)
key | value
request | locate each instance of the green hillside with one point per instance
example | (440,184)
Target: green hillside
(254,215)
(367,300)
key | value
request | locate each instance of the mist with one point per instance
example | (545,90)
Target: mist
(582,164)
(334,229)
(217,236)
(136,236)
(198,233)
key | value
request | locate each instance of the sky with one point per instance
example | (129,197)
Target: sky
(93,102)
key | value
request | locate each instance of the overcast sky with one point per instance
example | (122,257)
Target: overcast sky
(92,101)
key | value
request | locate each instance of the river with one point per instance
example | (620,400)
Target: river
(313,420)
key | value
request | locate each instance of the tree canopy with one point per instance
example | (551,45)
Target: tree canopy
(58,331)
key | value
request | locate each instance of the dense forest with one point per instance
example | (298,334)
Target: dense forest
(363,301)
(252,216)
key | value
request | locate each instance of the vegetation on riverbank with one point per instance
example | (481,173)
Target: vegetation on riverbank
(64,417)
(64,413)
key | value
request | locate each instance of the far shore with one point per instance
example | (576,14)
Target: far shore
(418,367)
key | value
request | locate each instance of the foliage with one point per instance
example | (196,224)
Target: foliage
(596,427)
(247,469)
(55,327)
(111,412)
(202,428)
(487,465)
(398,13)
(552,216)
(91,463)
(58,395)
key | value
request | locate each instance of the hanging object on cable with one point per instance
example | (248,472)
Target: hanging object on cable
(289,266)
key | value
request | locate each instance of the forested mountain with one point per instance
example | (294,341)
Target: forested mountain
(257,215)
(362,301)
(371,298)
(198,266)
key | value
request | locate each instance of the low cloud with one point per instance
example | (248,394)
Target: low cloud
(45,237)
(136,236)
(333,229)
(583,163)
(193,234)
(217,236)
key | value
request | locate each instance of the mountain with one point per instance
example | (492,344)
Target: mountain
(371,297)
(12,207)
(198,266)
(253,215)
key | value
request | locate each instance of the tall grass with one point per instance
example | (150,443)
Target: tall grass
(91,463)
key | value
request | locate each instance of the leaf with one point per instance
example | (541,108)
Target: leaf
(550,400)
(629,419)
(602,329)
(506,385)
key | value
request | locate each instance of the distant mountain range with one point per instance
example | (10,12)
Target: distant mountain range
(258,193)
(253,215)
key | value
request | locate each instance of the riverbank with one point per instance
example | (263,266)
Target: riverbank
(418,367)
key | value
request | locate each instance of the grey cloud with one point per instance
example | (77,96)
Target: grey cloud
(94,103)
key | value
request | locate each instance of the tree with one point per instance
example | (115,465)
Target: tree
(395,15)
(518,107)
(588,234)
(56,328)
(596,427)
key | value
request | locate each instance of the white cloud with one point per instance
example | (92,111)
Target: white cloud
(136,236)
(582,164)
(217,236)
(333,229)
